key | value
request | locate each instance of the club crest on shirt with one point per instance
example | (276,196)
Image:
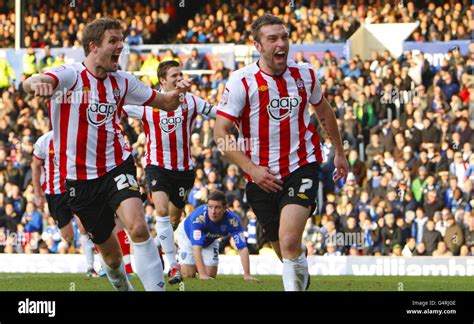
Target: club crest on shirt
(280,108)
(225,98)
(300,85)
(99,113)
(116,93)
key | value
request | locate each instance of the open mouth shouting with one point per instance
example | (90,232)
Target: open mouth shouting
(280,56)
(114,60)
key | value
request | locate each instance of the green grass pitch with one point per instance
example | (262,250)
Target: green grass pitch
(79,282)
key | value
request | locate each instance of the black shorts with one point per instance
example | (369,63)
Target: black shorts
(299,187)
(175,183)
(95,201)
(59,209)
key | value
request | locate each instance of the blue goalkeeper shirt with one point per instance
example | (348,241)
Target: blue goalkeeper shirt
(201,231)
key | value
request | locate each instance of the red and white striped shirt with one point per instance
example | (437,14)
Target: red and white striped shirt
(86,121)
(272,113)
(51,182)
(168,133)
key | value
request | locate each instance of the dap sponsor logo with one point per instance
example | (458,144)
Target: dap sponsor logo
(99,113)
(169,124)
(281,108)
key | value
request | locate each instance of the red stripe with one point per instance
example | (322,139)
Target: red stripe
(313,83)
(64,113)
(51,167)
(37,157)
(295,73)
(315,137)
(246,124)
(185,134)
(313,80)
(173,146)
(148,139)
(56,80)
(319,102)
(285,132)
(118,152)
(246,119)
(101,149)
(158,140)
(153,95)
(226,115)
(263,121)
(125,247)
(81,143)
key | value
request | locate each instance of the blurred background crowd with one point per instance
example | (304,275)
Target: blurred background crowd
(407,128)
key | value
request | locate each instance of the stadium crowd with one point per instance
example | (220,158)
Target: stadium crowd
(308,21)
(63,26)
(407,130)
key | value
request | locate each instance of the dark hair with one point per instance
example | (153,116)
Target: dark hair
(264,20)
(164,67)
(94,31)
(217,196)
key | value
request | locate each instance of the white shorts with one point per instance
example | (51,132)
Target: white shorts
(210,254)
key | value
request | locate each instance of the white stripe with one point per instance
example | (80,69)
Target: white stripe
(92,134)
(294,126)
(254,140)
(274,129)
(179,141)
(305,74)
(109,127)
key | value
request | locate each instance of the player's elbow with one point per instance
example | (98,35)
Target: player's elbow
(220,131)
(170,101)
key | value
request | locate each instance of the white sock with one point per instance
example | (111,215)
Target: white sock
(164,233)
(295,273)
(88,250)
(148,265)
(118,277)
(157,241)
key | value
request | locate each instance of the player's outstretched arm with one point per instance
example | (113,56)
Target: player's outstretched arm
(327,118)
(169,101)
(40,85)
(245,260)
(36,166)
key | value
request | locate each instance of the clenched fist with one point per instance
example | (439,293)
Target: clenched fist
(42,89)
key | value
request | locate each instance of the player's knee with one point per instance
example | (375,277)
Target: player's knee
(68,236)
(174,220)
(138,232)
(112,259)
(188,274)
(290,243)
(162,211)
